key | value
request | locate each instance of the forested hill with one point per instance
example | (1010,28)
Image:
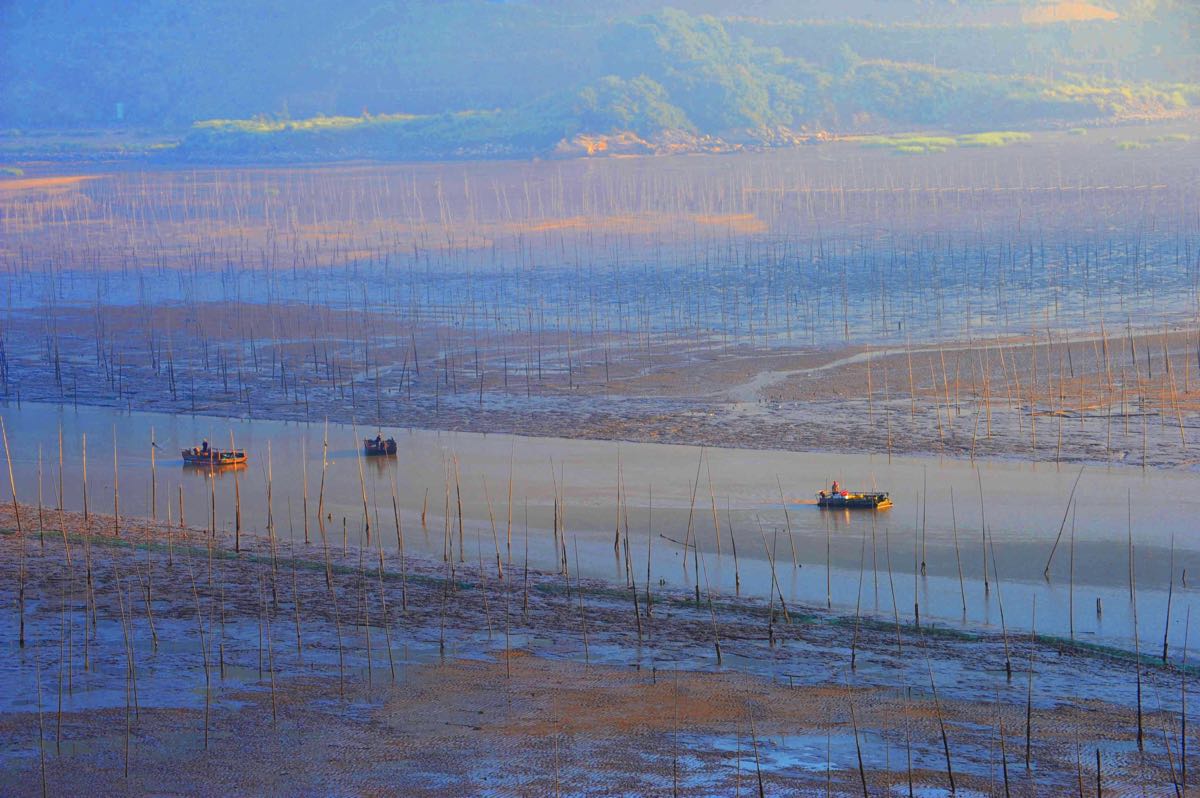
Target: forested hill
(427,78)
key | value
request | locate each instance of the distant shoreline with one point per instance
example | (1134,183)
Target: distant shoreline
(39,152)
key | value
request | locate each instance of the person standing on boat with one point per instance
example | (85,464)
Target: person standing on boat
(836,489)
(204,447)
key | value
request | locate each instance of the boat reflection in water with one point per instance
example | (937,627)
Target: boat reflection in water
(378,447)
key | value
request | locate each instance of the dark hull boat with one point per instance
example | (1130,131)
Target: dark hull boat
(213,458)
(851,500)
(373,447)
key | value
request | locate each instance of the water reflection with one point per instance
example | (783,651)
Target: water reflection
(1001,520)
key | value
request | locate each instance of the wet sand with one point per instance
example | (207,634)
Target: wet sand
(1079,397)
(1003,329)
(725,301)
(405,678)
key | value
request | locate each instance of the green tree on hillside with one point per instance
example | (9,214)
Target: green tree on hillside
(641,105)
(713,78)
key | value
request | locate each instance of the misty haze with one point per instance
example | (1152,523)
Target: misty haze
(563,398)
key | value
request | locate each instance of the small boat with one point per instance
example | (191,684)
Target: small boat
(838,499)
(213,458)
(377,447)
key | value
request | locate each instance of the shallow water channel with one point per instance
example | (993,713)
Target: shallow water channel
(840,558)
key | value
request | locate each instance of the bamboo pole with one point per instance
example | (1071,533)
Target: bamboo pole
(12,485)
(153,477)
(1029,688)
(983,533)
(62,526)
(862,773)
(962,589)
(362,484)
(495,534)
(400,547)
(1061,526)
(1003,752)
(1170,593)
(938,709)
(737,575)
(1000,603)
(1137,667)
(237,503)
(116,489)
(41,731)
(304,475)
(508,533)
(862,561)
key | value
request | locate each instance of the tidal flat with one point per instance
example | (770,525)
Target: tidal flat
(616,386)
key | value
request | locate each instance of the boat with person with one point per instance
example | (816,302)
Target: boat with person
(205,455)
(838,498)
(378,447)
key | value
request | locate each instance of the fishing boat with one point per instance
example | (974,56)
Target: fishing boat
(840,499)
(378,447)
(213,458)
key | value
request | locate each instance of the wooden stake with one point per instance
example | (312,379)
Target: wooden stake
(1137,666)
(86,515)
(1029,688)
(237,503)
(1170,591)
(962,589)
(153,478)
(304,471)
(116,488)
(62,525)
(1061,526)
(12,485)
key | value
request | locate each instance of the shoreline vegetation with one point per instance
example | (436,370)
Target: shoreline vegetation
(640,79)
(405,138)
